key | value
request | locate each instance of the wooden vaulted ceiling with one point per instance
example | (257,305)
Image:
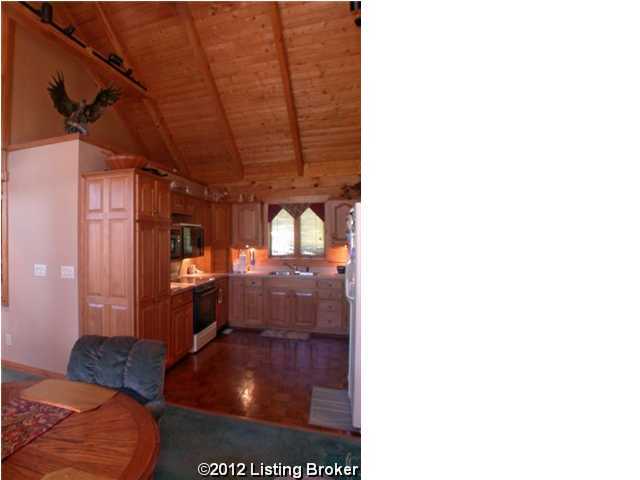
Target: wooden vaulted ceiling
(238,92)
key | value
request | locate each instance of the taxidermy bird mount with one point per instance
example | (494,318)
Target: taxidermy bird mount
(78,114)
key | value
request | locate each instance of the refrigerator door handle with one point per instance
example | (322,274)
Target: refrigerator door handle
(349,282)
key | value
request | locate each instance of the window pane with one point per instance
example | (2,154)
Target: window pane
(282,235)
(311,233)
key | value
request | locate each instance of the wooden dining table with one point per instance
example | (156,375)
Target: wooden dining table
(120,439)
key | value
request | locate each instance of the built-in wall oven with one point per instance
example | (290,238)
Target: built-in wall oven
(205,300)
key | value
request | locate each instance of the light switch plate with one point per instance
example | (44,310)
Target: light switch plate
(39,270)
(67,271)
(8,339)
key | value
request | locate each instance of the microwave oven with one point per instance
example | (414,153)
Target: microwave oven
(192,240)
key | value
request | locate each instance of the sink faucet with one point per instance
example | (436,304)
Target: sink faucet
(292,267)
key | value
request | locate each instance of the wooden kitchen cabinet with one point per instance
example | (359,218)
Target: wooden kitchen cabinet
(246,224)
(278,307)
(236,302)
(124,254)
(253,307)
(222,312)
(305,305)
(181,332)
(336,212)
(182,204)
(153,199)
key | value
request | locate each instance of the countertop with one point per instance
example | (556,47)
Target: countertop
(187,282)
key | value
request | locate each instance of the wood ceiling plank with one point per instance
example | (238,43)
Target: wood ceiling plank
(28,20)
(149,103)
(276,24)
(118,106)
(205,70)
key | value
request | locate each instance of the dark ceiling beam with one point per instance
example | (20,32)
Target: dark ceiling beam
(205,69)
(149,102)
(276,24)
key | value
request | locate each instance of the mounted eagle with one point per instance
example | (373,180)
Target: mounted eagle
(78,115)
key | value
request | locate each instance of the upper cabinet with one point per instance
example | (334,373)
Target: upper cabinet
(182,204)
(337,212)
(246,224)
(153,199)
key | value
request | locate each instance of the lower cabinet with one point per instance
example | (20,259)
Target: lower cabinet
(182,332)
(253,307)
(236,302)
(304,309)
(180,338)
(292,304)
(278,307)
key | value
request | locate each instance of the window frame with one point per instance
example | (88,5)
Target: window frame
(296,240)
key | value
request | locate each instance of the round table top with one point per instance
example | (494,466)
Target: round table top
(119,439)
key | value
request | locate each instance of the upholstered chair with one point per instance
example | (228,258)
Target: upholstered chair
(127,364)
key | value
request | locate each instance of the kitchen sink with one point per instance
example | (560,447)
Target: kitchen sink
(289,273)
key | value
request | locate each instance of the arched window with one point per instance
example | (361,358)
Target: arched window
(296,230)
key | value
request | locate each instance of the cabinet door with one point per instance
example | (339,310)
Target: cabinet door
(182,330)
(278,307)
(253,307)
(163,313)
(146,238)
(247,224)
(338,211)
(223,299)
(149,322)
(305,305)
(163,200)
(177,203)
(145,197)
(236,302)
(163,251)
(221,225)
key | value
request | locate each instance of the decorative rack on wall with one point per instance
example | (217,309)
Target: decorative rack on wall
(45,14)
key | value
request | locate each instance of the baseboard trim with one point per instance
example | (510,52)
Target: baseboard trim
(31,370)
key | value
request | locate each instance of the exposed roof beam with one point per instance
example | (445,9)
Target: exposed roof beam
(28,20)
(276,23)
(149,103)
(205,69)
(124,118)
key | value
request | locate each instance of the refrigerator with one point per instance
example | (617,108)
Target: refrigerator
(353,291)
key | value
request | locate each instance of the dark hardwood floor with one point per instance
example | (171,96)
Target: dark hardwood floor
(261,378)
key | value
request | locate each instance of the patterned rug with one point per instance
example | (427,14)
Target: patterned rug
(23,421)
(285,334)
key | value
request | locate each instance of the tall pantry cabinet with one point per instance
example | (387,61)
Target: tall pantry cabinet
(125,221)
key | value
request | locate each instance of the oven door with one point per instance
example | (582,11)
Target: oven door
(204,308)
(192,241)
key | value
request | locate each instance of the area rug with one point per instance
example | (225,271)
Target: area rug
(189,437)
(285,334)
(24,421)
(331,408)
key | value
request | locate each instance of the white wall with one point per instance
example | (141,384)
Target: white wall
(42,317)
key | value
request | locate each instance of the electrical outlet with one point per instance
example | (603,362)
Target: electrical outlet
(39,270)
(67,271)
(8,339)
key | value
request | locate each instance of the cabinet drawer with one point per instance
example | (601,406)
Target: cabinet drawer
(329,321)
(181,299)
(330,294)
(330,283)
(292,283)
(329,306)
(252,282)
